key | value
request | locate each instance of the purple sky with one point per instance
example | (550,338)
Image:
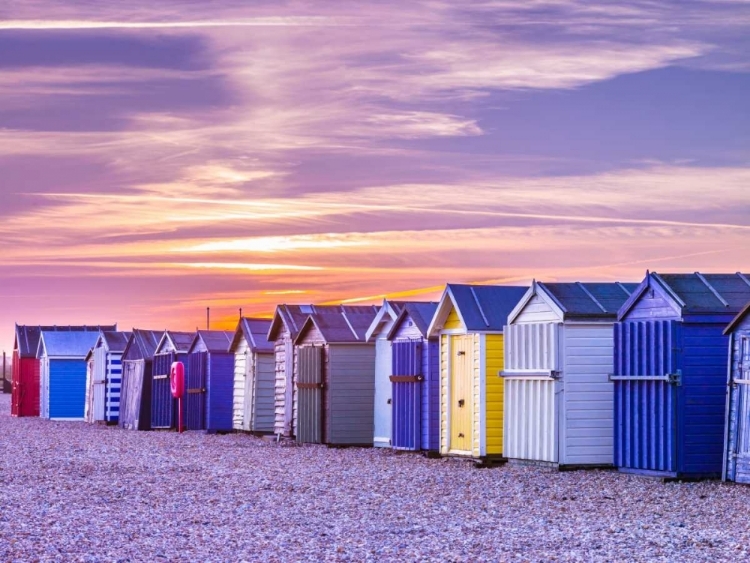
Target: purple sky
(158,160)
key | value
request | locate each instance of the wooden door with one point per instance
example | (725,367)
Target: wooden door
(310,395)
(461,396)
(248,414)
(407,385)
(742,474)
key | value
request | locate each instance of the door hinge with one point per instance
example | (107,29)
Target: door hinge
(675,378)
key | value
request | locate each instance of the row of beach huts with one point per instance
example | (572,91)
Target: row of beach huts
(651,378)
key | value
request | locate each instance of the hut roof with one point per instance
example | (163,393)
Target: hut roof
(27,336)
(145,341)
(481,308)
(738,319)
(578,300)
(421,312)
(116,341)
(255,332)
(213,340)
(341,323)
(293,317)
(697,293)
(179,341)
(388,311)
(67,344)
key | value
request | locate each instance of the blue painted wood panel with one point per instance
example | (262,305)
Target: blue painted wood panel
(195,391)
(416,404)
(407,395)
(163,405)
(645,420)
(67,388)
(219,393)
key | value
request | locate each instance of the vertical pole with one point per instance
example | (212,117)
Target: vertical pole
(240,313)
(208,318)
(179,415)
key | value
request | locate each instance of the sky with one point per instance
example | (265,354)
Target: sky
(158,158)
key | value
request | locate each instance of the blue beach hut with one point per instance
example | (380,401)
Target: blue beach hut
(670,371)
(209,382)
(172,347)
(415,379)
(62,359)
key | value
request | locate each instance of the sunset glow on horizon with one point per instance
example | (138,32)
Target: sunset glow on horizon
(162,158)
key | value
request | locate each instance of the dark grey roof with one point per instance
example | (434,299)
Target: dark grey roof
(738,319)
(180,341)
(486,307)
(116,340)
(342,323)
(293,317)
(255,332)
(598,300)
(27,336)
(68,344)
(421,312)
(213,340)
(697,293)
(142,344)
(709,292)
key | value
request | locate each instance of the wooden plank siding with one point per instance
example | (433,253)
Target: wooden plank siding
(351,393)
(240,377)
(588,398)
(263,377)
(311,337)
(495,394)
(282,424)
(737,448)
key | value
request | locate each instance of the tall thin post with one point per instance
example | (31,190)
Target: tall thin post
(208,318)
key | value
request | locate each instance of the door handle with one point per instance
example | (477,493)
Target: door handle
(460,402)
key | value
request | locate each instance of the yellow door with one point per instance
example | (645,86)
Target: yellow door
(461,407)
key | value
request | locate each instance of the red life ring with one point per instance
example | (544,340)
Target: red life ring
(177,379)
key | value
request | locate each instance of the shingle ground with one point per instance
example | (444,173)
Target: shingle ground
(77,492)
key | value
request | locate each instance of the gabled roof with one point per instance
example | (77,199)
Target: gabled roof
(115,341)
(481,308)
(177,341)
(389,311)
(292,317)
(341,324)
(696,293)
(68,344)
(420,312)
(255,332)
(738,319)
(145,341)
(577,300)
(27,336)
(213,340)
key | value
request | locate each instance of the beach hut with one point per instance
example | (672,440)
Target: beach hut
(209,382)
(559,351)
(415,379)
(25,383)
(104,376)
(334,376)
(469,323)
(670,373)
(378,333)
(737,442)
(254,377)
(173,347)
(63,373)
(135,395)
(285,326)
